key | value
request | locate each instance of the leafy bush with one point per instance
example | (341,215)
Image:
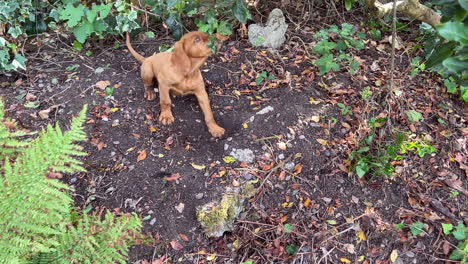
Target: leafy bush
(446,47)
(96,19)
(348,40)
(36,210)
(376,159)
(461,235)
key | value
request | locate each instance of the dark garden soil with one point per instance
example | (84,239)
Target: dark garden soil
(301,144)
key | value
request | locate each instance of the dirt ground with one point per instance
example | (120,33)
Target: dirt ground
(299,160)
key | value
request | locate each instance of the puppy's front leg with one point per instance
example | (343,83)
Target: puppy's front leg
(202,96)
(166,116)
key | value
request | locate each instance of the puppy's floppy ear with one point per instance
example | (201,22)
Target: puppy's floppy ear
(180,59)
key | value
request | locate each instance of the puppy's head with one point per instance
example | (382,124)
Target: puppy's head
(191,45)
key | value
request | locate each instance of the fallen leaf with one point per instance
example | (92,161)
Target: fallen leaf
(282,145)
(361,236)
(322,141)
(297,169)
(54,175)
(141,155)
(180,207)
(394,255)
(44,114)
(229,159)
(30,97)
(198,167)
(102,84)
(211,257)
(173,177)
(315,118)
(307,202)
(235,183)
(282,175)
(245,125)
(176,245)
(183,237)
(345,260)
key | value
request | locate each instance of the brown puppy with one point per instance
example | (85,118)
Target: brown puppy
(178,73)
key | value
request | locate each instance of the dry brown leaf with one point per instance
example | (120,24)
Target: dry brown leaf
(183,237)
(102,84)
(173,177)
(141,155)
(176,245)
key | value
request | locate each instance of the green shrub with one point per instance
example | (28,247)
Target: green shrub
(98,19)
(39,223)
(446,47)
(348,40)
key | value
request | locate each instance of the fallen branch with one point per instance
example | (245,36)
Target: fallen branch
(412,8)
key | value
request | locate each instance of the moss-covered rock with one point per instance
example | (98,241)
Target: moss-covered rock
(218,217)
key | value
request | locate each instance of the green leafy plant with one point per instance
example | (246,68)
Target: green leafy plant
(416,228)
(446,46)
(374,158)
(414,116)
(417,66)
(345,109)
(288,228)
(337,54)
(263,76)
(40,224)
(419,146)
(366,93)
(460,233)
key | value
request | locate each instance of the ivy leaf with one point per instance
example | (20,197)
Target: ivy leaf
(414,116)
(288,228)
(323,47)
(15,31)
(326,64)
(441,53)
(455,64)
(464,4)
(454,30)
(447,228)
(91,14)
(461,231)
(464,92)
(416,228)
(362,168)
(72,14)
(451,85)
(172,3)
(240,11)
(349,4)
(291,249)
(83,31)
(174,24)
(19,62)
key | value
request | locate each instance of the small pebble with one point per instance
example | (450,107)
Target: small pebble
(73,180)
(289,165)
(199,196)
(105,119)
(248,177)
(327,153)
(281,156)
(153,221)
(116,142)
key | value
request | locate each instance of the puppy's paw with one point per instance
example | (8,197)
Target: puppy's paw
(150,95)
(166,118)
(216,131)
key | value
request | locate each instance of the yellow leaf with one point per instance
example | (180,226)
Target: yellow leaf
(187,147)
(345,260)
(237,93)
(285,204)
(282,145)
(361,258)
(284,219)
(245,125)
(221,173)
(394,255)
(160,155)
(256,230)
(211,257)
(315,118)
(307,202)
(115,109)
(235,244)
(331,222)
(198,167)
(313,101)
(152,129)
(362,236)
(322,141)
(229,159)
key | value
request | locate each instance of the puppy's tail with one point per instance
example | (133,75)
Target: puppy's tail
(132,51)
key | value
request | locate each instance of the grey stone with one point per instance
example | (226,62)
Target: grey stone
(265,110)
(289,166)
(272,34)
(243,155)
(199,196)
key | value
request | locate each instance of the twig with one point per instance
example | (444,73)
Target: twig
(281,164)
(392,59)
(265,138)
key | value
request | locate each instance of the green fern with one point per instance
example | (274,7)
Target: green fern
(36,212)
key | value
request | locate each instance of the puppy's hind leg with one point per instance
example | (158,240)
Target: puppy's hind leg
(148,81)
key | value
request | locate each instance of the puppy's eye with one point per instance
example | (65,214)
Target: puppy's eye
(197,39)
